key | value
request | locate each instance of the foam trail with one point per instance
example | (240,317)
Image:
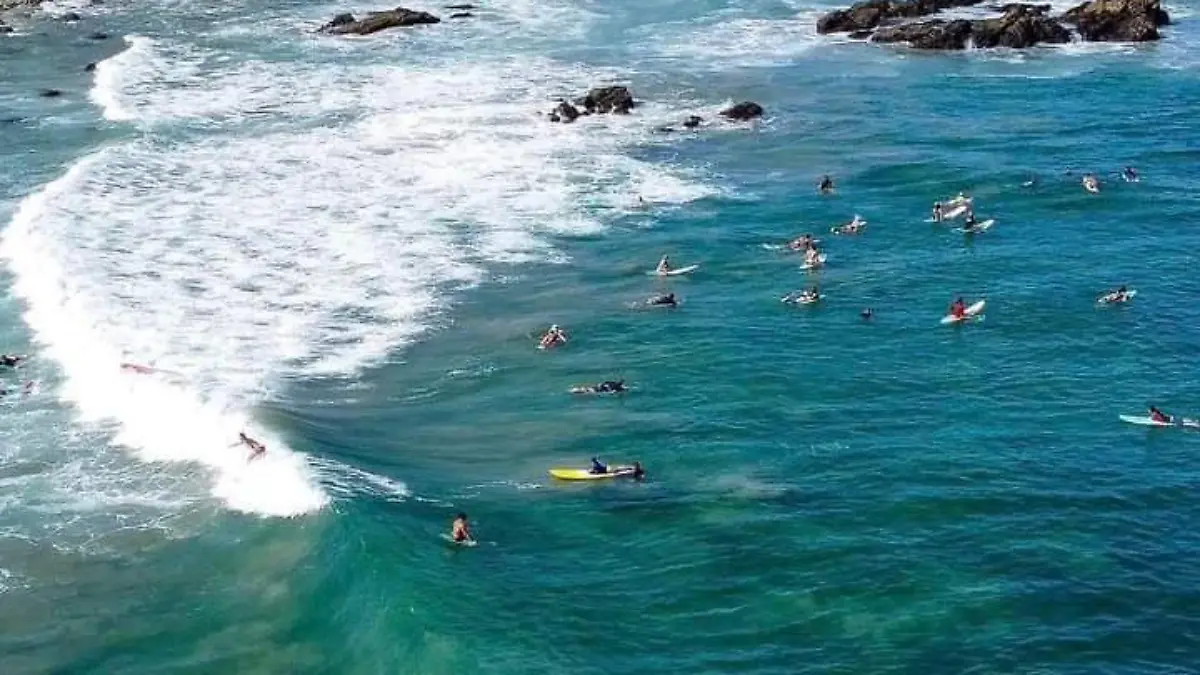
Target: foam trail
(159,421)
(111,74)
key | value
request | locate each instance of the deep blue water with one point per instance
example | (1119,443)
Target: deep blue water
(349,247)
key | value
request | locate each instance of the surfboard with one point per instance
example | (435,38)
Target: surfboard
(1145,421)
(675,272)
(969,314)
(981,226)
(584,474)
(468,543)
(810,266)
(955,212)
(1128,296)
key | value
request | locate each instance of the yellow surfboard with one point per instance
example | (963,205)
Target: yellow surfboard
(584,474)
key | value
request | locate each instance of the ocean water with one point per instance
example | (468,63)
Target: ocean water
(348,246)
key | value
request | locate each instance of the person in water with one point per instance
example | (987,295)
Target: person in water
(938,214)
(867,314)
(1090,183)
(664,265)
(460,530)
(958,309)
(1119,295)
(969,222)
(611,387)
(1130,174)
(801,243)
(812,257)
(1158,415)
(826,185)
(256,449)
(11,360)
(667,300)
(638,472)
(554,336)
(598,467)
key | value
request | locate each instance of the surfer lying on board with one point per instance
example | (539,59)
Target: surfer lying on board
(460,532)
(606,387)
(26,389)
(11,360)
(598,467)
(553,337)
(1118,296)
(853,227)
(667,300)
(256,449)
(801,243)
(1158,416)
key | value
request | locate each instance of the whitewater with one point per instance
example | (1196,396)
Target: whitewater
(242,235)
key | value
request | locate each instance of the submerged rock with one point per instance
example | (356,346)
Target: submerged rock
(744,111)
(50,93)
(346,24)
(1118,20)
(89,67)
(564,112)
(693,121)
(461,15)
(98,36)
(70,17)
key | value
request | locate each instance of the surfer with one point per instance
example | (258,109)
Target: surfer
(803,297)
(826,185)
(938,214)
(664,266)
(11,360)
(867,314)
(1032,182)
(598,467)
(812,257)
(256,449)
(1118,296)
(969,222)
(801,243)
(1090,183)
(958,309)
(667,300)
(460,531)
(853,227)
(1158,416)
(638,472)
(133,367)
(554,336)
(606,387)
(1130,174)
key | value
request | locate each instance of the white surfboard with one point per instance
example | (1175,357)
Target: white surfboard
(1145,421)
(812,266)
(676,272)
(970,313)
(955,212)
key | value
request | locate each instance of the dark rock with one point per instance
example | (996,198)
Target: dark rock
(4,28)
(70,17)
(928,34)
(565,112)
(616,100)
(1005,9)
(346,24)
(555,118)
(693,121)
(89,67)
(460,7)
(743,111)
(1118,20)
(872,13)
(1021,26)
(98,36)
(50,93)
(860,34)
(461,15)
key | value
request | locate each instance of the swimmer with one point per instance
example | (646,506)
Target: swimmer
(667,300)
(867,314)
(11,360)
(826,185)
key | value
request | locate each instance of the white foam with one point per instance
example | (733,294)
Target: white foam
(744,42)
(253,252)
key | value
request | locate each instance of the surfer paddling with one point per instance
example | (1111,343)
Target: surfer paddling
(552,338)
(256,449)
(137,368)
(11,360)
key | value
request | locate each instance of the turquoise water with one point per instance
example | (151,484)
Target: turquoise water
(349,247)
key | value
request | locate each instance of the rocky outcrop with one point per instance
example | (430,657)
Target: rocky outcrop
(98,36)
(1118,20)
(50,93)
(564,112)
(874,13)
(71,17)
(743,112)
(6,5)
(928,34)
(616,99)
(346,24)
(1021,26)
(693,121)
